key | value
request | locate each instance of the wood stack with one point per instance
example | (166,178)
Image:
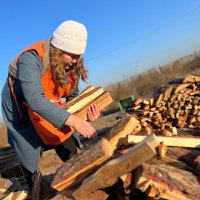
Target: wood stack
(173,115)
(147,169)
(87,175)
(176,104)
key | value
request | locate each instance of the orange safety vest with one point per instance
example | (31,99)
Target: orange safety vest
(48,133)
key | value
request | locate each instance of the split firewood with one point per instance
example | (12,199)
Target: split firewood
(5,184)
(108,174)
(138,101)
(120,130)
(181,87)
(148,130)
(127,181)
(158,100)
(162,150)
(20,195)
(175,105)
(90,95)
(191,79)
(167,133)
(167,93)
(168,182)
(170,141)
(84,99)
(80,165)
(9,196)
(102,101)
(174,131)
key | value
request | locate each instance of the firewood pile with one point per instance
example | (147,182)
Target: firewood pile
(134,159)
(118,168)
(176,104)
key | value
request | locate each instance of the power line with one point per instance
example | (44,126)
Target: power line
(145,35)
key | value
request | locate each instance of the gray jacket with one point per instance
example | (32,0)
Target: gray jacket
(21,133)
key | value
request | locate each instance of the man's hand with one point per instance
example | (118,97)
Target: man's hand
(83,127)
(93,112)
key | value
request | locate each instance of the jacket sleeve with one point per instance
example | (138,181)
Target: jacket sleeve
(29,66)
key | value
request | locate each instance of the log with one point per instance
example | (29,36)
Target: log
(159,180)
(176,163)
(191,79)
(175,141)
(158,100)
(20,195)
(121,129)
(186,155)
(87,89)
(162,149)
(79,166)
(108,174)
(2,191)
(84,99)
(5,185)
(138,101)
(97,195)
(181,87)
(101,102)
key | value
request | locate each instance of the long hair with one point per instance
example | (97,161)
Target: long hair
(59,72)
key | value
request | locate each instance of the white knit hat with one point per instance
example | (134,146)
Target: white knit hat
(70,36)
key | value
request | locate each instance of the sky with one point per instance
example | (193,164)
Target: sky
(125,37)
